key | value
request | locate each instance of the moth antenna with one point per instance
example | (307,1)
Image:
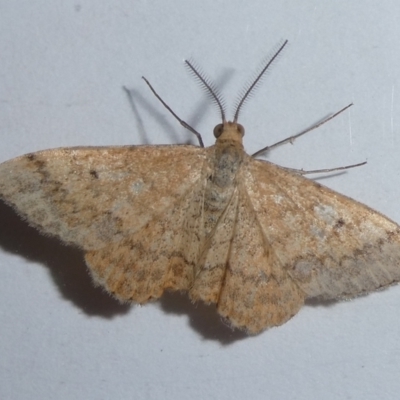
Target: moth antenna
(210,87)
(256,81)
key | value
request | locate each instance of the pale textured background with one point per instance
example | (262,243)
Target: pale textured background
(62,68)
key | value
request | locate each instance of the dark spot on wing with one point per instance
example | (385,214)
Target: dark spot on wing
(339,223)
(94,174)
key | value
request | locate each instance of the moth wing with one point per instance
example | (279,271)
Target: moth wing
(94,196)
(161,255)
(257,292)
(331,245)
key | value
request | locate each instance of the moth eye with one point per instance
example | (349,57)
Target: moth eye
(240,129)
(218,130)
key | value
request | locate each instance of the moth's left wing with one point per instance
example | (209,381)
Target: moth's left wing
(95,196)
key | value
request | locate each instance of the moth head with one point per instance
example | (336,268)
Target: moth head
(229,129)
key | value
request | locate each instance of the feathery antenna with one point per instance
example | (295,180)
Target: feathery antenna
(210,88)
(256,81)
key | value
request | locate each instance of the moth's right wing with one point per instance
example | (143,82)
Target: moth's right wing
(331,246)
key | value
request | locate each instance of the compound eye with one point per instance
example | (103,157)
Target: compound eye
(218,130)
(240,129)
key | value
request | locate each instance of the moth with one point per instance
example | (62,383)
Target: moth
(246,235)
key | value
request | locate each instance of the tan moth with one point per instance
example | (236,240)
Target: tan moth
(253,238)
